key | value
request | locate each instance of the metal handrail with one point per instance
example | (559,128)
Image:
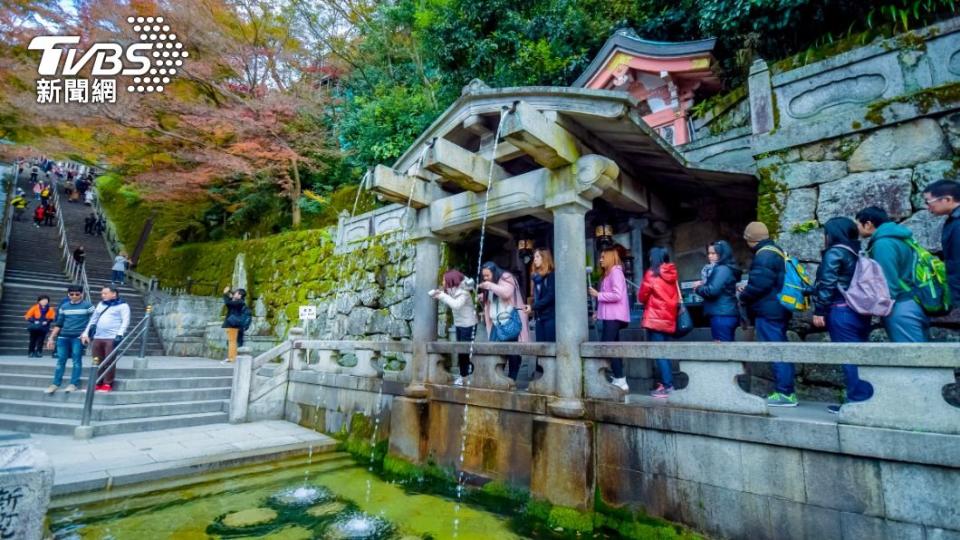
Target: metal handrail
(98,370)
(75,271)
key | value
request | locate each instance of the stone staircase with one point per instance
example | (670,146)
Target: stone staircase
(34,267)
(172,392)
(143,399)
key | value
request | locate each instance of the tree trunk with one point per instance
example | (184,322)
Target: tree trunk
(295,195)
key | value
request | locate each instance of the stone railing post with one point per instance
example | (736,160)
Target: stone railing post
(426,266)
(761,98)
(298,357)
(569,226)
(242,386)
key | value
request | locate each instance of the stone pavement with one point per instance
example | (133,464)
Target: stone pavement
(129,458)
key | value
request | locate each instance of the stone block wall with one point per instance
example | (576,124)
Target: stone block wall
(737,489)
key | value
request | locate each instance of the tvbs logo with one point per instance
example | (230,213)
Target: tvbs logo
(151,62)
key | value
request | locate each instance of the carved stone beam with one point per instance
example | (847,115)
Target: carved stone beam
(541,138)
(395,187)
(583,182)
(460,166)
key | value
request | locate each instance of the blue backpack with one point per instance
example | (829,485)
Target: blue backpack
(796,283)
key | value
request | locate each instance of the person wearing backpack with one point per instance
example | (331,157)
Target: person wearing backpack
(890,245)
(238,319)
(943,199)
(830,307)
(770,318)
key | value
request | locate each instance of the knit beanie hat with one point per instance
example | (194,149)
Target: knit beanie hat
(756,232)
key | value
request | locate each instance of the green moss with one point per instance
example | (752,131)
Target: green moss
(570,519)
(941,96)
(805,227)
(771,196)
(855,125)
(718,104)
(833,48)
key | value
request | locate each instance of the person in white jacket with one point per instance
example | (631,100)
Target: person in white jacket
(109,323)
(458,294)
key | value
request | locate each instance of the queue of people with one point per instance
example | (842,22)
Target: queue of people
(870,267)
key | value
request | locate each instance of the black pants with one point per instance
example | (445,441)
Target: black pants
(610,331)
(36,341)
(465,334)
(546,329)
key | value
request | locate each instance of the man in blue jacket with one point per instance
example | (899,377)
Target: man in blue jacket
(764,282)
(887,245)
(943,199)
(72,318)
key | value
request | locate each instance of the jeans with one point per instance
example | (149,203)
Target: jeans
(72,347)
(663,365)
(847,326)
(464,333)
(610,331)
(907,323)
(546,329)
(118,276)
(724,327)
(776,332)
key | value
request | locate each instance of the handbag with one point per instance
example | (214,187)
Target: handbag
(684,319)
(36,326)
(507,325)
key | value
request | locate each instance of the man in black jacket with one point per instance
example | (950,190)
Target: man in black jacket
(764,282)
(943,199)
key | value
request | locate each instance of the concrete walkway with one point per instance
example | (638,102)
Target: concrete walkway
(116,460)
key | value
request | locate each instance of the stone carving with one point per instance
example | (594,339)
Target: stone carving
(595,174)
(355,230)
(397,219)
(474,87)
(858,89)
(240,272)
(953,65)
(26,478)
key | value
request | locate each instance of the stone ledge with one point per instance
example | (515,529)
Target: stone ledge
(493,399)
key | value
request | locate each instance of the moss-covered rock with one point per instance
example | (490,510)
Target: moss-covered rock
(249,518)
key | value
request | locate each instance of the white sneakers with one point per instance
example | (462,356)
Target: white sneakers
(71,388)
(621,383)
(51,389)
(458,381)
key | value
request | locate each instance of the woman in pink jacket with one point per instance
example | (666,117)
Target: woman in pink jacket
(613,309)
(503,310)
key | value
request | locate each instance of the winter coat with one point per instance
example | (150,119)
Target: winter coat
(950,239)
(719,292)
(889,248)
(238,314)
(612,302)
(111,318)
(507,291)
(660,298)
(835,272)
(544,296)
(119,264)
(43,315)
(461,304)
(764,281)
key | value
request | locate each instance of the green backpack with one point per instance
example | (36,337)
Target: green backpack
(928,280)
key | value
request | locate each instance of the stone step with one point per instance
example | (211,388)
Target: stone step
(57,426)
(126,385)
(156,370)
(6,436)
(74,411)
(117,397)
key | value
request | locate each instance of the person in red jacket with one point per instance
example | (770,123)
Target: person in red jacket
(38,215)
(660,295)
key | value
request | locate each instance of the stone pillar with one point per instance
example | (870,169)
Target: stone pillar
(562,465)
(409,429)
(426,266)
(242,385)
(569,226)
(761,98)
(26,480)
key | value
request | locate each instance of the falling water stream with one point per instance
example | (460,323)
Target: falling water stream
(461,477)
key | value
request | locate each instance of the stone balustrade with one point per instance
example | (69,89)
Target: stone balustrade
(490,364)
(908,379)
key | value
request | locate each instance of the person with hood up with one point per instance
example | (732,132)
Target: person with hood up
(887,245)
(719,291)
(830,310)
(660,295)
(457,294)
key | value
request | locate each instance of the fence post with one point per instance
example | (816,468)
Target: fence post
(242,385)
(142,362)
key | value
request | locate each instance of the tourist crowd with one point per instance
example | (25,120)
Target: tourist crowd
(870,267)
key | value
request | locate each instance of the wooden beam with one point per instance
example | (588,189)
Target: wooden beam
(541,138)
(396,187)
(460,166)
